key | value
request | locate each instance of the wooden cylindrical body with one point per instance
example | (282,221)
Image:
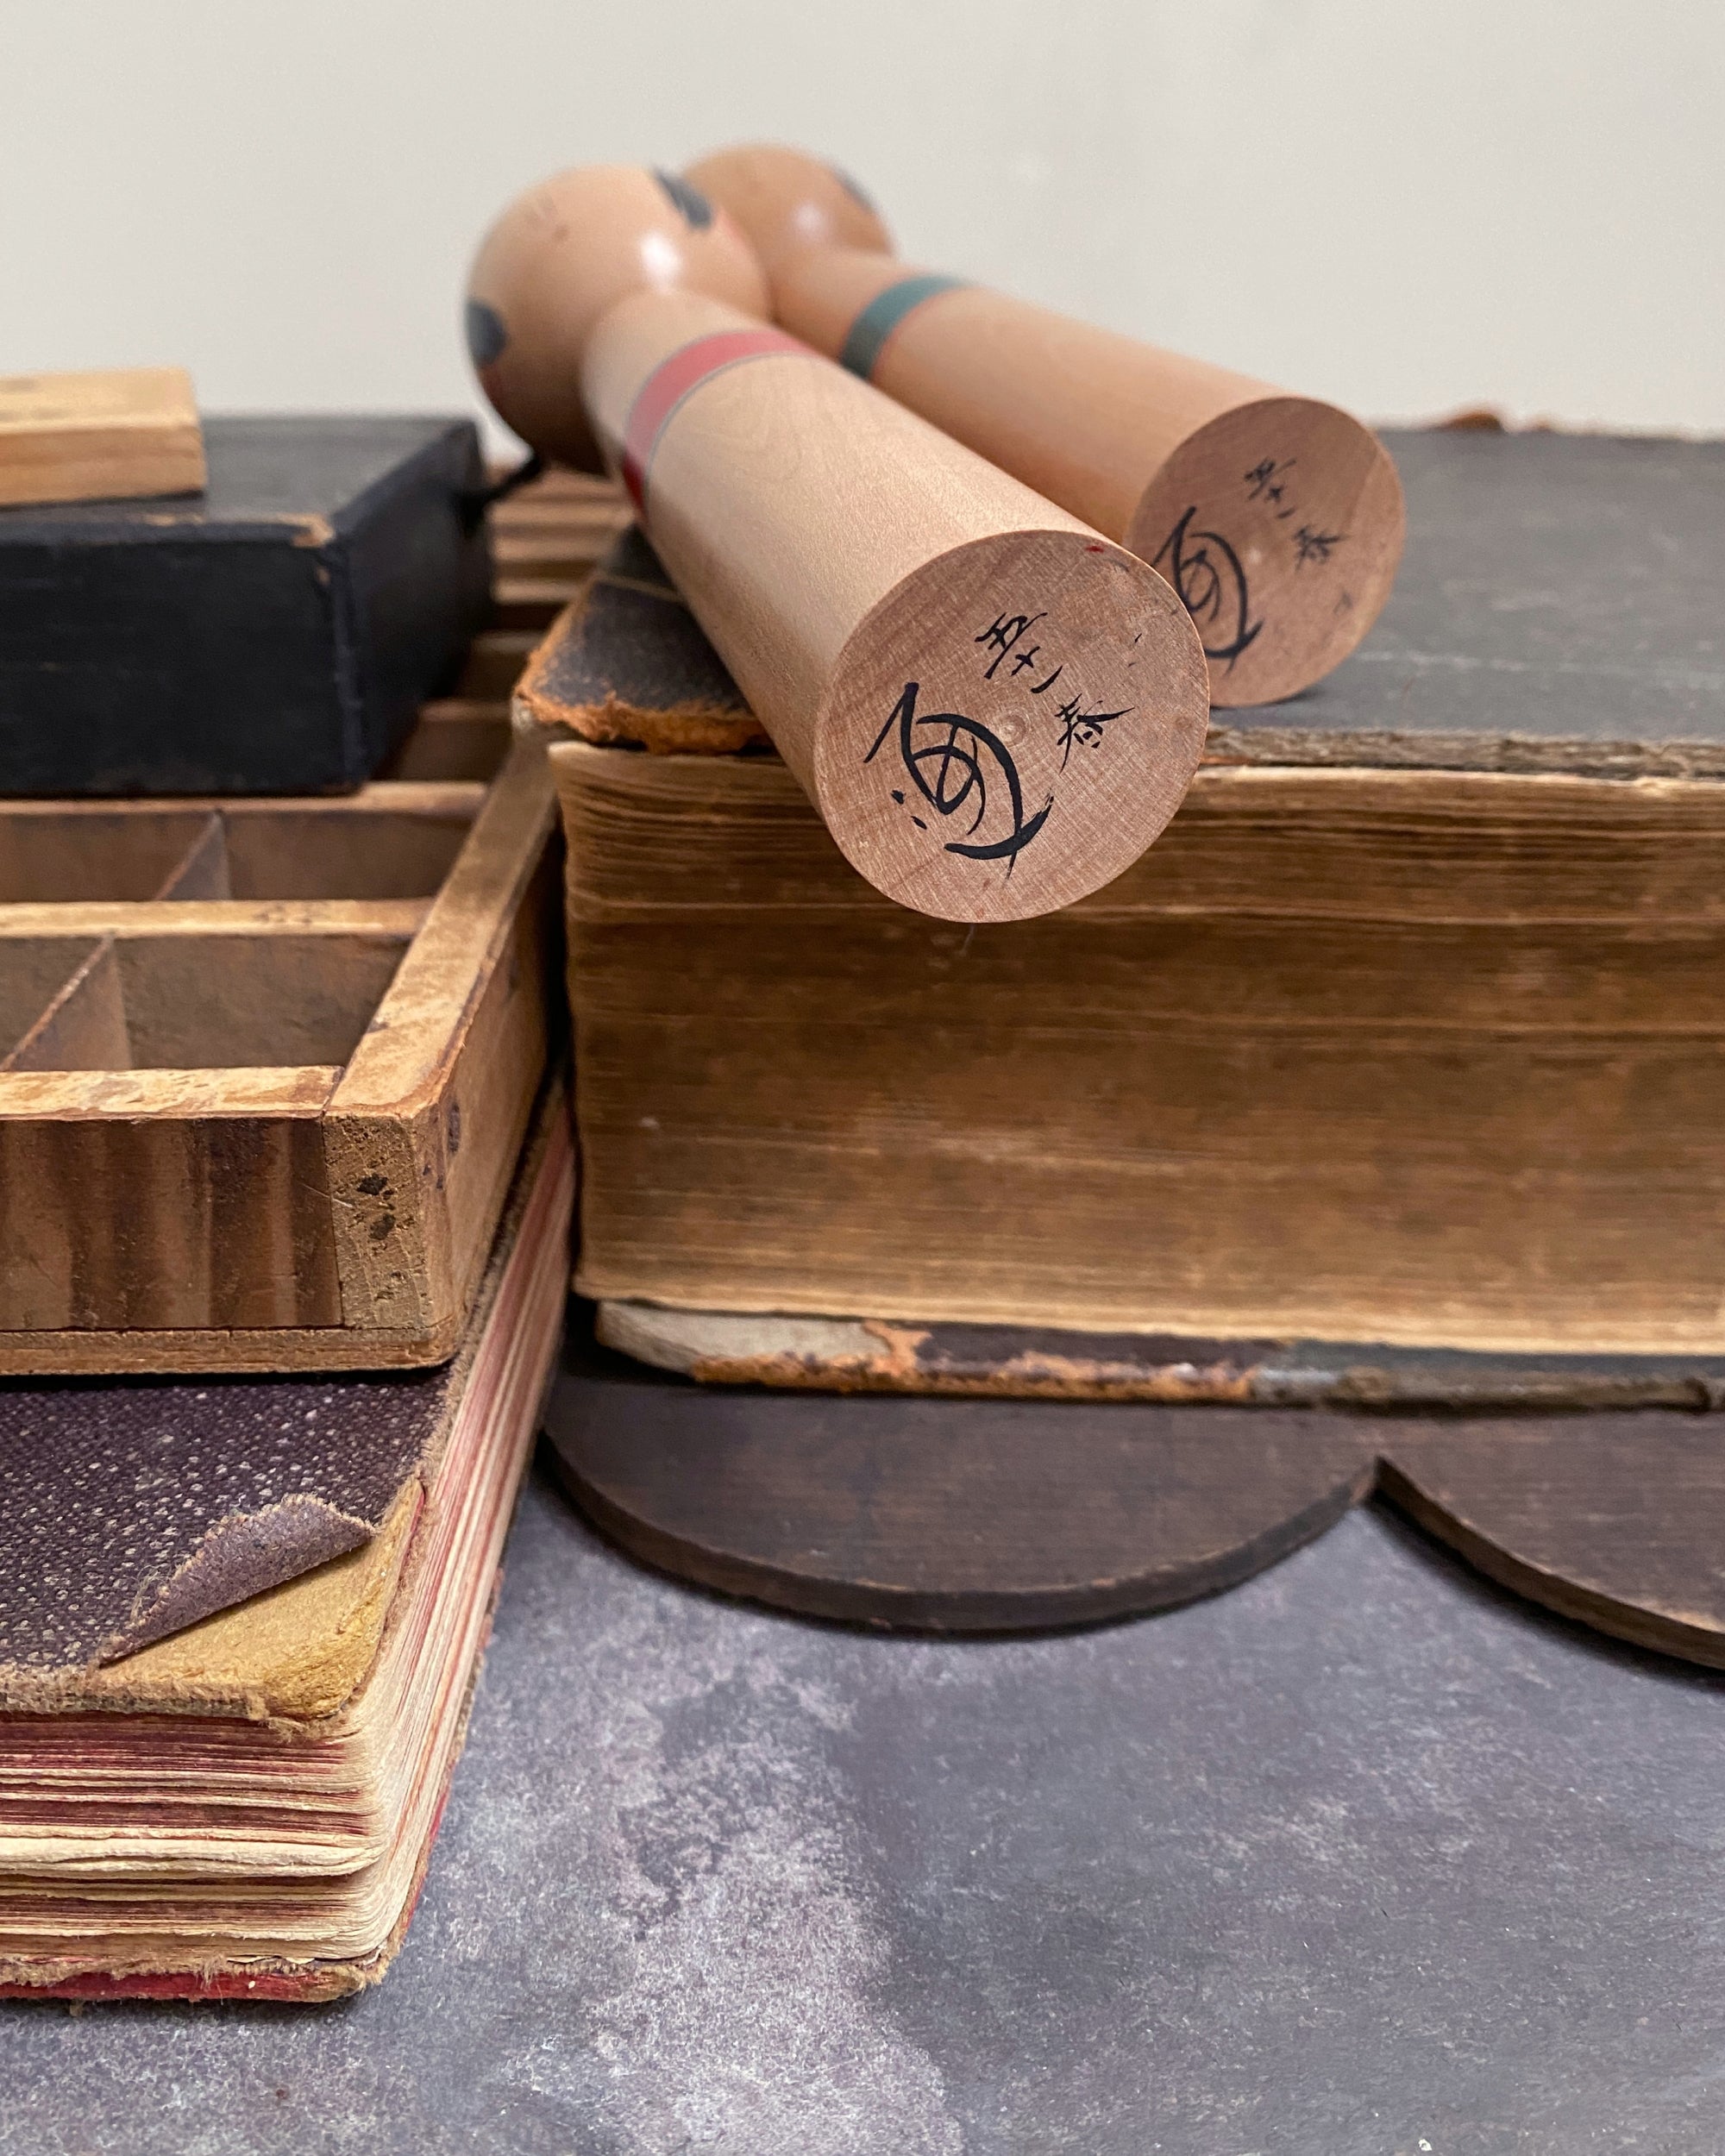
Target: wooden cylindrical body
(994,707)
(1279,519)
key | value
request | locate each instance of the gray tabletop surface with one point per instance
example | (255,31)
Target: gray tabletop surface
(1362,1858)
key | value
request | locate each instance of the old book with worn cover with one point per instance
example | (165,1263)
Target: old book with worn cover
(1404,1041)
(207,1797)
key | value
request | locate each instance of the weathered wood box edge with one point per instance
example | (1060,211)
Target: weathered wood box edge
(275,635)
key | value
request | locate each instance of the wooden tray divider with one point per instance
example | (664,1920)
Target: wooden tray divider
(440,1090)
(202,870)
(83,1025)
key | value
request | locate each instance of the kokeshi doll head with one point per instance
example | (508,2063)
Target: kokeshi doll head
(560,257)
(784,200)
(1278,519)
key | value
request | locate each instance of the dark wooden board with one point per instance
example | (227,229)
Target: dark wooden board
(274,635)
(995,1515)
(952,1516)
(1616,1520)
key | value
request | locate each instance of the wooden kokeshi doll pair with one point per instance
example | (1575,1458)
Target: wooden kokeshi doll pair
(980,580)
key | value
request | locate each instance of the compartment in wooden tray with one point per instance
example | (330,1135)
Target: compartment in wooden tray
(54,852)
(266,1064)
(36,971)
(391,842)
(262,1114)
(216,998)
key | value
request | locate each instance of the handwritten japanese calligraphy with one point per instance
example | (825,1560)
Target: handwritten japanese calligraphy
(1314,546)
(1268,481)
(1084,727)
(1206,572)
(957,763)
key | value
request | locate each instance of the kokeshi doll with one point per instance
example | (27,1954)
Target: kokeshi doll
(1278,519)
(993,708)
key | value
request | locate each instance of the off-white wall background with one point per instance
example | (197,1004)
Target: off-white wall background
(1405,205)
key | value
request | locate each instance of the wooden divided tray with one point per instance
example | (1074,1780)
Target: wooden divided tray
(266,1064)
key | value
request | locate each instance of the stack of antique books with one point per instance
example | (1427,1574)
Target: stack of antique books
(287,1178)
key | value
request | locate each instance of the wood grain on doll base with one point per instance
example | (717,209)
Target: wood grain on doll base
(1084,415)
(1280,523)
(678,377)
(1011,727)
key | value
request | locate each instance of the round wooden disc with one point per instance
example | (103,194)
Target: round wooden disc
(1001,1515)
(1011,726)
(947,1516)
(1280,525)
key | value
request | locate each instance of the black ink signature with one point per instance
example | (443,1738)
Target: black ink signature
(1001,634)
(1083,726)
(1268,479)
(960,763)
(1314,546)
(1004,633)
(1212,586)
